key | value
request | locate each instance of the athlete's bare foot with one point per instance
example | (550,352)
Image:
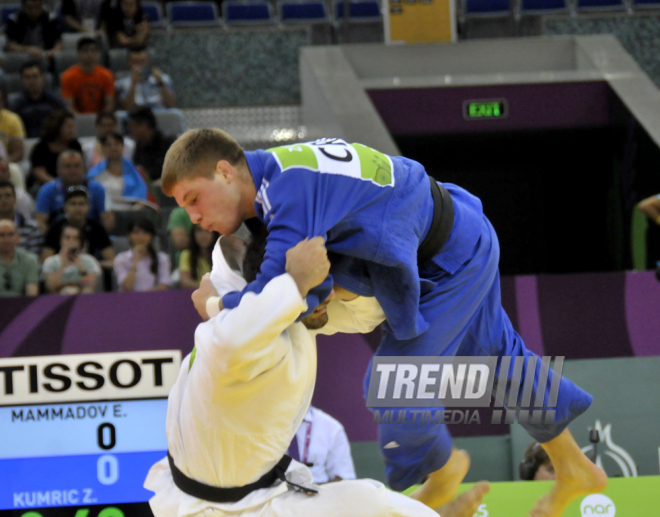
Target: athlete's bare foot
(466,504)
(576,476)
(441,486)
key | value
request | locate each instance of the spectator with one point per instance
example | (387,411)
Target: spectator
(12,132)
(29,232)
(141,268)
(106,12)
(128,25)
(650,207)
(76,13)
(106,123)
(34,30)
(71,271)
(536,464)
(10,172)
(179,227)
(123,183)
(151,144)
(322,445)
(196,261)
(19,268)
(97,242)
(71,172)
(87,87)
(126,192)
(57,136)
(146,86)
(35,103)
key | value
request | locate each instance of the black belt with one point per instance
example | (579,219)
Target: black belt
(443,221)
(217,494)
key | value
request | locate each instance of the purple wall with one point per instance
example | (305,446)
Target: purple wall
(410,111)
(579,316)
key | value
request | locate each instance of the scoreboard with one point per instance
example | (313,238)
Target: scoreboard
(80,432)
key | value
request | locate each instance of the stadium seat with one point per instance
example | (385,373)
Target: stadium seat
(85,124)
(247,12)
(609,5)
(154,12)
(64,59)
(646,4)
(542,6)
(12,61)
(13,82)
(117,60)
(190,14)
(359,10)
(487,7)
(170,121)
(6,11)
(303,11)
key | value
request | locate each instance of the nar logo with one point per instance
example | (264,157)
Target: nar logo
(597,504)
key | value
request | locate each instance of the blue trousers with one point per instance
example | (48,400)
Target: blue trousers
(466,319)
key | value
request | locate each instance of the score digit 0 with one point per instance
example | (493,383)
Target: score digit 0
(112,438)
(107,466)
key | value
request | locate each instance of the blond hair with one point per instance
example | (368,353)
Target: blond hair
(192,149)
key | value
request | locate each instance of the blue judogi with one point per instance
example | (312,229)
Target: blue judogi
(374,216)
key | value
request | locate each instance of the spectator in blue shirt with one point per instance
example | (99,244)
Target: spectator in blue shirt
(71,173)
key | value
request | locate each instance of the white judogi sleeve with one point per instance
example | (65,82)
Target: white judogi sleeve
(358,316)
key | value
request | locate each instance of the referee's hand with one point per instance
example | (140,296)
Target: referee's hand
(307,262)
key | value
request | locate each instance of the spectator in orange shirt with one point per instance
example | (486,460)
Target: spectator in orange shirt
(88,87)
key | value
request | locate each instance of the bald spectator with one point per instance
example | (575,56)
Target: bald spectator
(34,30)
(87,87)
(71,174)
(30,237)
(19,268)
(35,102)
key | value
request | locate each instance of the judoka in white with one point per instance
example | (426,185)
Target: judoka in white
(241,395)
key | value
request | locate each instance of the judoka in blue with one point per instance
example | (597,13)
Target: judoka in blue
(374,211)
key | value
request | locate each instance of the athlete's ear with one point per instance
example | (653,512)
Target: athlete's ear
(224,168)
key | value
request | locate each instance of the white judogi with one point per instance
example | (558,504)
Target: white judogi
(233,414)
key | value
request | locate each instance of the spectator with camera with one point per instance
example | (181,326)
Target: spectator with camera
(71,271)
(146,86)
(96,240)
(19,268)
(142,268)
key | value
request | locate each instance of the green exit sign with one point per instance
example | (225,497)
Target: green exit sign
(483,110)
